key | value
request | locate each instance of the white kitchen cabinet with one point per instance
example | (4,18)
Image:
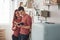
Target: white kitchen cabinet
(45,31)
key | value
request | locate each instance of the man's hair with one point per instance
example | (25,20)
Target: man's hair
(21,8)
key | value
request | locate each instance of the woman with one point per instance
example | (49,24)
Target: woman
(15,28)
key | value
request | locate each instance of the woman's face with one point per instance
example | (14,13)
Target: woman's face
(17,14)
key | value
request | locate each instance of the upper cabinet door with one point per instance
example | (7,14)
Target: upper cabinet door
(53,1)
(58,1)
(29,3)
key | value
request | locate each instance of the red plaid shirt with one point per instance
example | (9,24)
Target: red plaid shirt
(16,31)
(27,20)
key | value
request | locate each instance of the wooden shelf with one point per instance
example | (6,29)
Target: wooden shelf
(55,1)
(52,2)
(2,34)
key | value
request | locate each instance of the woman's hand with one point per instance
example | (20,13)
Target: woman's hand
(18,26)
(14,28)
(15,22)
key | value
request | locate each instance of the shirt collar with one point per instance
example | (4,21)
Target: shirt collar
(23,15)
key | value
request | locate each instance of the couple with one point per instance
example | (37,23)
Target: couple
(21,25)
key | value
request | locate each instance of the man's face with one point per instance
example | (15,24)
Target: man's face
(21,12)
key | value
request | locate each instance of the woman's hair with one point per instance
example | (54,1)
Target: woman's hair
(15,17)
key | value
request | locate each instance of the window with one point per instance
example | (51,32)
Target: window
(4,11)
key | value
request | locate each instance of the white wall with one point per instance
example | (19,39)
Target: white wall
(5,11)
(54,11)
(55,14)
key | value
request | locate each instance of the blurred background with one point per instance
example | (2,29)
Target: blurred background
(32,7)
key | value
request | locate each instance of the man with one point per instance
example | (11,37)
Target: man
(25,28)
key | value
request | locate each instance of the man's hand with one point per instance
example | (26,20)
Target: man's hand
(27,27)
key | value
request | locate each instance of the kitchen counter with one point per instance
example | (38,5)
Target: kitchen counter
(43,31)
